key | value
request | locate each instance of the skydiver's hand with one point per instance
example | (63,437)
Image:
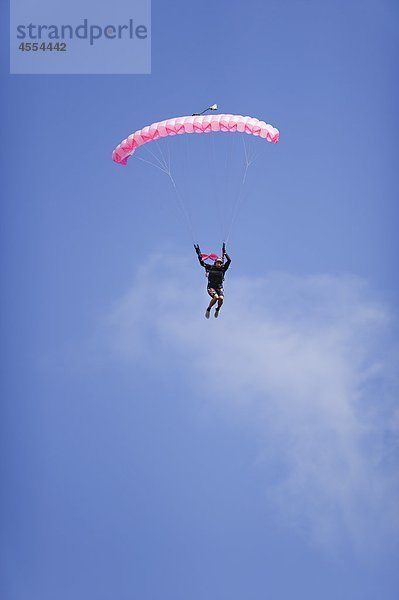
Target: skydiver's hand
(197,249)
(224,248)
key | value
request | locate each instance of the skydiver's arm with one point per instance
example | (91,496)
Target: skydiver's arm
(198,251)
(201,262)
(227,263)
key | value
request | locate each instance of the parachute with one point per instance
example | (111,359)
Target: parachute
(194,124)
(223,179)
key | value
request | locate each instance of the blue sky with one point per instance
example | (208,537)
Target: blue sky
(147,452)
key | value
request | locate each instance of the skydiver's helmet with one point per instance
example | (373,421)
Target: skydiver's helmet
(219,260)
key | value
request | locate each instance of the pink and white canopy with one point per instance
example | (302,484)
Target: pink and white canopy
(194,124)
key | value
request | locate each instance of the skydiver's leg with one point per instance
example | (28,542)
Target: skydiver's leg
(220,301)
(214,299)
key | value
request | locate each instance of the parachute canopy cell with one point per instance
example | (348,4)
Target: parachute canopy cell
(193,124)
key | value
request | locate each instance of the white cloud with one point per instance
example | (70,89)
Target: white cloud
(309,361)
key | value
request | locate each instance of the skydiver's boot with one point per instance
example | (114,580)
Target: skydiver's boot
(207,313)
(217,312)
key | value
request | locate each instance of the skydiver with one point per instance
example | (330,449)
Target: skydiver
(215,274)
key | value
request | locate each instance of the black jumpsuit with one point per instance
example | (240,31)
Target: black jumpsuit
(215,276)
